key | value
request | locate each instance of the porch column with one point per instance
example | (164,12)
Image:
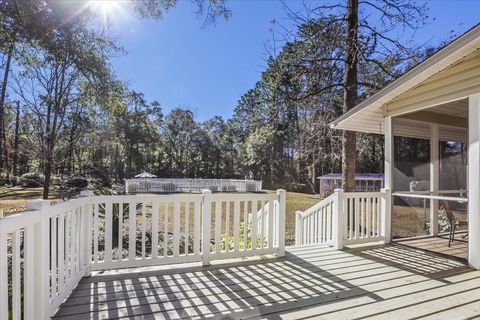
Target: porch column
(389,165)
(474,181)
(388,176)
(434,181)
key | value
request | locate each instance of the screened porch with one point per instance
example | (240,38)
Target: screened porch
(430,181)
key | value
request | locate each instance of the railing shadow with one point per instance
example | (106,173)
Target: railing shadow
(458,250)
(304,278)
(243,289)
(422,263)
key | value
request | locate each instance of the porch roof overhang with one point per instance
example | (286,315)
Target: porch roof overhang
(369,115)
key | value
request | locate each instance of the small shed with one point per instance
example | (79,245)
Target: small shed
(365,182)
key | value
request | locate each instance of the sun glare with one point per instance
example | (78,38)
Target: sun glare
(107,10)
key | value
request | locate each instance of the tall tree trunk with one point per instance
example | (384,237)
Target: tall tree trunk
(116,164)
(70,153)
(47,166)
(2,107)
(16,141)
(350,95)
(48,173)
(314,176)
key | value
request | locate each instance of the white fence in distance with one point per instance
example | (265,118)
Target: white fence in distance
(49,248)
(164,185)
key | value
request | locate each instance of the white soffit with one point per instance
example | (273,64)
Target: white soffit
(368,115)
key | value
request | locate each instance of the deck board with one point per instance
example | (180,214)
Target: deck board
(439,245)
(375,282)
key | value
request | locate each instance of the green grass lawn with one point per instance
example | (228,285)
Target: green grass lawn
(296,202)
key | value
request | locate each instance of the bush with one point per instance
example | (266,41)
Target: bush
(100,182)
(3,177)
(98,177)
(72,185)
(75,182)
(56,181)
(32,179)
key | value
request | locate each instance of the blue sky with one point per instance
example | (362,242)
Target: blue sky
(179,63)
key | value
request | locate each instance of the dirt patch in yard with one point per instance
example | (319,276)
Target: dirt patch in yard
(15,198)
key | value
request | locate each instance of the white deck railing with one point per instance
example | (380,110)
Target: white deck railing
(49,248)
(344,218)
(314,226)
(164,185)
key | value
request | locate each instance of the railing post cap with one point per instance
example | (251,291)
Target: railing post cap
(338,190)
(279,191)
(37,204)
(86,193)
(206,191)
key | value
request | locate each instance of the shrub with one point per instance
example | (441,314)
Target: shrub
(3,177)
(98,177)
(229,241)
(75,182)
(32,179)
(56,181)
(100,181)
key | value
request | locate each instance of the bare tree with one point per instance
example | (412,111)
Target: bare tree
(16,140)
(377,33)
(350,89)
(6,71)
(49,87)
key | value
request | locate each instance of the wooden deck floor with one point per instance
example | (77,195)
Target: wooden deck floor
(380,282)
(458,249)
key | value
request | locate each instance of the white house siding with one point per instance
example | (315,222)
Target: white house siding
(453,83)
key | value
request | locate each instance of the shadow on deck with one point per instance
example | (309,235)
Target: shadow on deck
(458,249)
(308,282)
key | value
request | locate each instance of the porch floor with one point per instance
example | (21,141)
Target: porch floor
(439,245)
(375,282)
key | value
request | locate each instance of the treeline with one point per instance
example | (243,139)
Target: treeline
(58,94)
(67,116)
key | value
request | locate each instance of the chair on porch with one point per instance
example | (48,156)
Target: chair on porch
(453,222)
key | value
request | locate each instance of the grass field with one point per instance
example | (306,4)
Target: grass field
(296,202)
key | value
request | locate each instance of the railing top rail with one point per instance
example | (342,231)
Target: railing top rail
(244,196)
(320,204)
(17,221)
(421,196)
(464,191)
(60,207)
(363,194)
